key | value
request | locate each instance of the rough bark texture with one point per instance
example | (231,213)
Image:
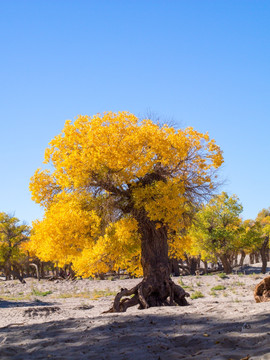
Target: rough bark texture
(262,290)
(156,288)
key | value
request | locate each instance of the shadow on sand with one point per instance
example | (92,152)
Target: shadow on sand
(10,304)
(138,337)
(249,269)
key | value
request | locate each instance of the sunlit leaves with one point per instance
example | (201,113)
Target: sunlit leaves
(217,227)
(105,168)
(13,235)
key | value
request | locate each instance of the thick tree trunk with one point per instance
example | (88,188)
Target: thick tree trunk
(263,252)
(156,286)
(226,264)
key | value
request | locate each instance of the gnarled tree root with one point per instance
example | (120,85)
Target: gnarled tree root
(148,294)
(262,290)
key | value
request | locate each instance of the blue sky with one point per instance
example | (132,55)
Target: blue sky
(199,63)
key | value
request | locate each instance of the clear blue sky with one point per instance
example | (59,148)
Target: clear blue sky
(199,63)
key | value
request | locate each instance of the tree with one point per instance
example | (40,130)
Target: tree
(136,184)
(217,228)
(263,218)
(12,236)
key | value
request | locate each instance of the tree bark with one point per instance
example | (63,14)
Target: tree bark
(156,286)
(226,264)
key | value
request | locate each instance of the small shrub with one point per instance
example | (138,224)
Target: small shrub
(196,295)
(238,283)
(218,287)
(222,276)
(102,293)
(180,281)
(36,292)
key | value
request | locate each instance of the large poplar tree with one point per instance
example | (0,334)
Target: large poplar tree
(119,190)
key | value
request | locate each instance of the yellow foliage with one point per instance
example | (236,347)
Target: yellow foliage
(65,230)
(135,163)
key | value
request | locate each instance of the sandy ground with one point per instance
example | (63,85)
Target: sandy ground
(68,323)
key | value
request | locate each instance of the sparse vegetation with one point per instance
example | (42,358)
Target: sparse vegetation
(37,292)
(196,295)
(222,276)
(92,295)
(218,288)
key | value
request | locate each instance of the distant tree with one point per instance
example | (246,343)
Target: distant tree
(263,218)
(216,229)
(12,236)
(147,176)
(250,238)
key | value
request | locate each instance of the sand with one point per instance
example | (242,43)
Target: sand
(68,323)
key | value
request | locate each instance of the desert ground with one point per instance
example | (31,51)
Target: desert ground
(65,320)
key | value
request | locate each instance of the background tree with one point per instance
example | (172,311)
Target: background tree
(263,218)
(216,229)
(150,177)
(12,236)
(250,239)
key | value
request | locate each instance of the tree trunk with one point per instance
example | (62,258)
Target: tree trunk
(257,257)
(235,260)
(205,266)
(226,264)
(268,254)
(193,265)
(252,258)
(42,273)
(243,255)
(16,274)
(156,286)
(263,252)
(174,267)
(37,270)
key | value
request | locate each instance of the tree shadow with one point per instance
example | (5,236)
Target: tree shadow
(12,303)
(141,336)
(247,270)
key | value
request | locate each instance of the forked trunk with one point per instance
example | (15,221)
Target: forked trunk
(156,288)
